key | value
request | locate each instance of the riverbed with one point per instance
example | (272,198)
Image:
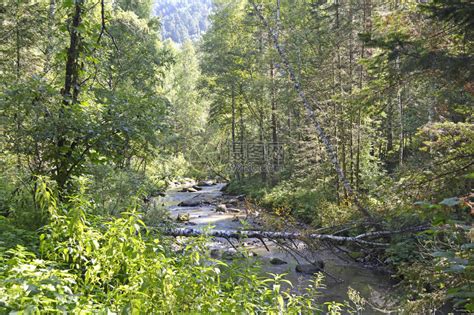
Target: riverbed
(342,273)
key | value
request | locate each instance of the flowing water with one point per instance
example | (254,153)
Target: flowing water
(374,286)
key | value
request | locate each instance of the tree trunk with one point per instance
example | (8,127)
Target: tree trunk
(273,118)
(234,149)
(239,234)
(400,109)
(242,158)
(69,93)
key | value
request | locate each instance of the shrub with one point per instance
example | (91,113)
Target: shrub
(92,264)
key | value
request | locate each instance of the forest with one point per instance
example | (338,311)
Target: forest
(183,20)
(237,156)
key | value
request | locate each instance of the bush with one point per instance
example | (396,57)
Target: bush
(91,264)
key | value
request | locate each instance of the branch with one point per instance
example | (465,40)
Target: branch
(387,233)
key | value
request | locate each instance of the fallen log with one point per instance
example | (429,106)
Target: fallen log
(190,232)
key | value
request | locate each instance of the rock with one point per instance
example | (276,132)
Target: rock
(157,193)
(197,200)
(224,188)
(310,268)
(196,187)
(215,253)
(232,201)
(229,254)
(240,197)
(183,217)
(277,261)
(191,223)
(233,210)
(235,219)
(221,208)
(205,183)
(188,189)
(252,254)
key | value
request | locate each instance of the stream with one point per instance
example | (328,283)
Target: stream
(375,287)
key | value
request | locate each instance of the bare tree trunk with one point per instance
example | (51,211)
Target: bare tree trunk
(234,149)
(273,118)
(340,115)
(400,109)
(274,101)
(242,158)
(18,75)
(263,171)
(389,129)
(351,110)
(312,116)
(239,234)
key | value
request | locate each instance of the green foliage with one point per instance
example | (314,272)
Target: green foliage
(33,286)
(11,236)
(436,265)
(451,150)
(94,264)
(459,12)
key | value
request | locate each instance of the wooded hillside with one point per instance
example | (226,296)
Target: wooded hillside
(183,20)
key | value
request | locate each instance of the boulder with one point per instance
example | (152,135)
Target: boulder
(310,268)
(230,254)
(183,217)
(232,201)
(277,261)
(157,193)
(233,210)
(215,253)
(188,189)
(221,208)
(196,187)
(200,199)
(205,183)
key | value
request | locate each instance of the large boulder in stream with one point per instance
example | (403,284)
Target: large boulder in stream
(198,200)
(277,261)
(205,183)
(310,268)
